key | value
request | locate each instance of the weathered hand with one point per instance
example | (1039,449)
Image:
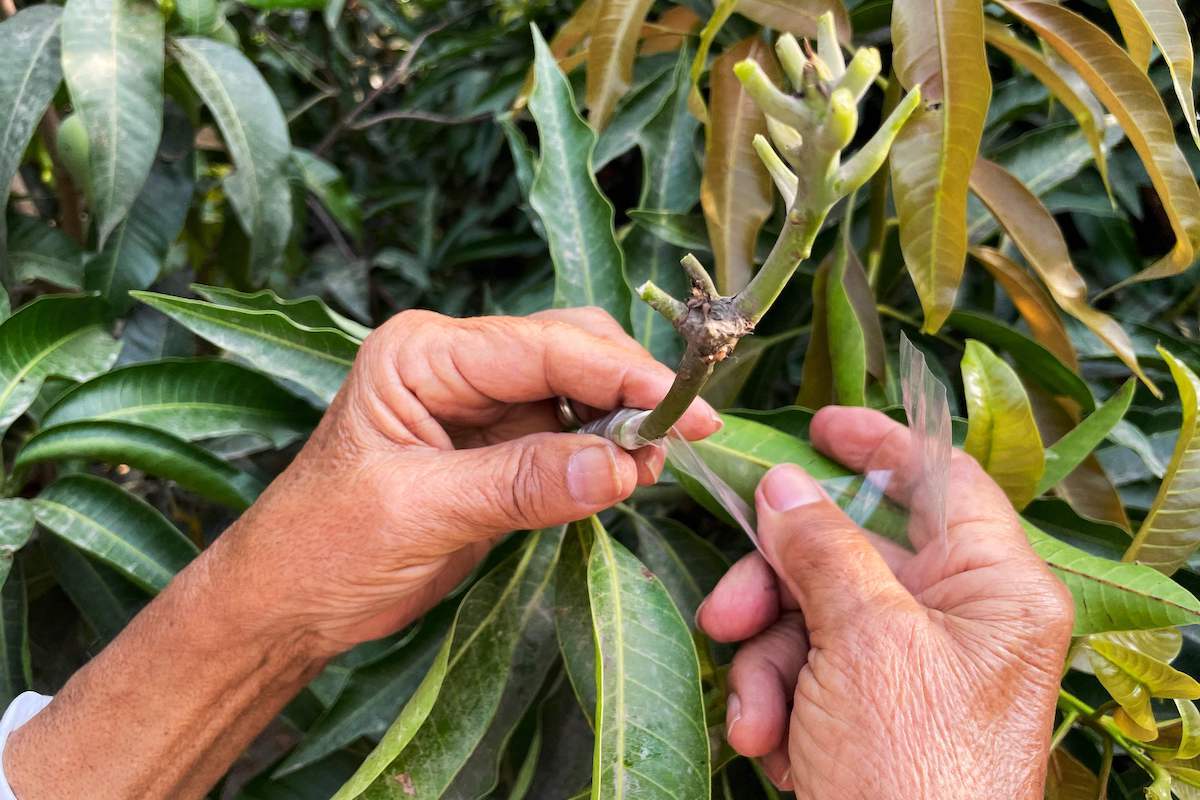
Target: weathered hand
(439,442)
(921,676)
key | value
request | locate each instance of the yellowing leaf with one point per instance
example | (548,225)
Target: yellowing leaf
(1131,729)
(611,54)
(1034,305)
(1162,644)
(669,32)
(736,189)
(1131,97)
(938,45)
(1092,125)
(1182,735)
(572,34)
(1162,21)
(722,11)
(1068,779)
(1001,433)
(1132,678)
(1037,236)
(1171,530)
(798,17)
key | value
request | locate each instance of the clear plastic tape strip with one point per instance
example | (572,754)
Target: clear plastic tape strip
(930,443)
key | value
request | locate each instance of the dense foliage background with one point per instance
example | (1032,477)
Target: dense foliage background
(284,174)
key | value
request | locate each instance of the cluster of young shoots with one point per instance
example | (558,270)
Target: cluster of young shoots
(809,128)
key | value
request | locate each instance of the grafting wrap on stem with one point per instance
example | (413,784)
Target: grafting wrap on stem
(810,128)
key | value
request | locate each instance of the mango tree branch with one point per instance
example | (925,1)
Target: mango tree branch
(810,130)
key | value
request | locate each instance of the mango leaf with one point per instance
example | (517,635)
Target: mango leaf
(1068,779)
(651,738)
(16,674)
(1162,645)
(133,255)
(855,335)
(115,528)
(670,177)
(316,358)
(255,131)
(798,17)
(1138,41)
(1092,124)
(638,108)
(939,47)
(16,526)
(1170,533)
(199,398)
(573,617)
(1162,21)
(1065,455)
(721,13)
(329,186)
(816,379)
(682,230)
(104,599)
(39,252)
(1188,743)
(1032,302)
(30,71)
(688,566)
(372,699)
(1131,97)
(1132,678)
(484,678)
(311,312)
(611,53)
(1002,435)
(569,47)
(112,59)
(1039,239)
(1114,596)
(736,191)
(53,335)
(1031,358)
(147,449)
(670,32)
(589,267)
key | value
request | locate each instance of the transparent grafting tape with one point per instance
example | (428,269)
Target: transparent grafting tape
(925,471)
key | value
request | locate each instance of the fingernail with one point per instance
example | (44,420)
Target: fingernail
(787,487)
(716,420)
(592,477)
(784,781)
(733,713)
(699,611)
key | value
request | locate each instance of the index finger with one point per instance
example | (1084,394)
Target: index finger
(864,439)
(522,360)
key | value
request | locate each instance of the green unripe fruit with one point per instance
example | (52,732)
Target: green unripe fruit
(72,146)
(198,17)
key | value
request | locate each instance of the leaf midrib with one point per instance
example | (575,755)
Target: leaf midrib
(108,533)
(38,358)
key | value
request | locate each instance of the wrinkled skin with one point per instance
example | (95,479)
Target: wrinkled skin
(867,671)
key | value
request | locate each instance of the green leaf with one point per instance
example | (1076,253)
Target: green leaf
(53,335)
(855,337)
(255,131)
(16,526)
(199,398)
(611,52)
(112,59)
(938,45)
(670,179)
(1132,678)
(39,252)
(316,358)
(147,449)
(116,528)
(573,616)
(329,186)
(486,675)
(1113,596)
(688,566)
(30,71)
(104,599)
(632,117)
(588,264)
(310,312)
(651,738)
(1069,452)
(16,673)
(372,700)
(1170,533)
(682,230)
(1032,359)
(816,379)
(1002,435)
(133,255)
(731,375)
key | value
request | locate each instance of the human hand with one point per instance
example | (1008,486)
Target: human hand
(443,438)
(922,676)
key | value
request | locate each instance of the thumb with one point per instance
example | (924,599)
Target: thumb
(823,558)
(536,481)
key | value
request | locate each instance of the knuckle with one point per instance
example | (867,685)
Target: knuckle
(528,494)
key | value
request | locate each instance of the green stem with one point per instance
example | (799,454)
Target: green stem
(689,380)
(791,248)
(1063,728)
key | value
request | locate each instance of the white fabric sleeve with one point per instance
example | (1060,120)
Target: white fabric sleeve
(24,708)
